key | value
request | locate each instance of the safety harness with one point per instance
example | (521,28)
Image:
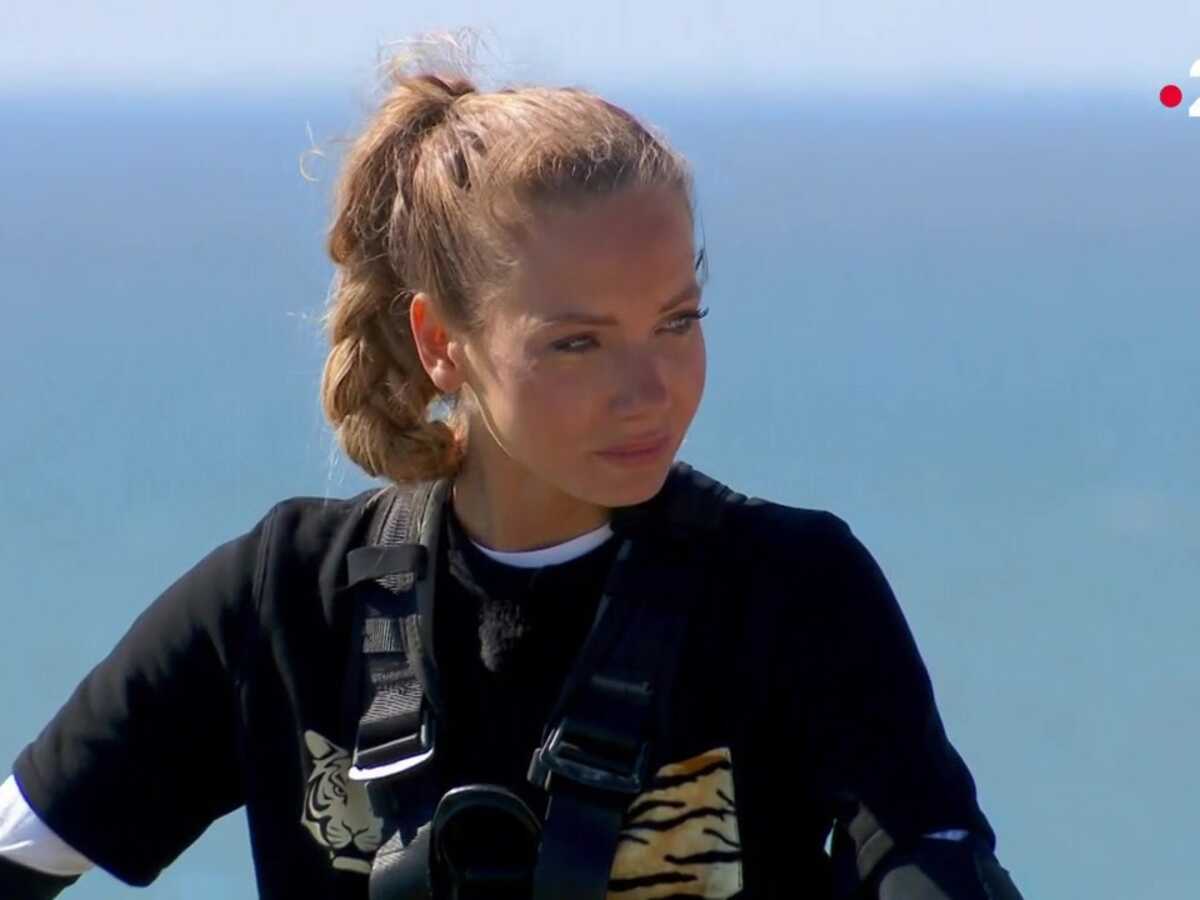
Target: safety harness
(598,745)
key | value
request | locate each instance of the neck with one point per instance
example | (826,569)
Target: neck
(503,506)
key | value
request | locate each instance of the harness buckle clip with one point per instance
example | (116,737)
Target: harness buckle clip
(397,756)
(590,756)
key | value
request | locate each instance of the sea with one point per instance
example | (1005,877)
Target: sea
(968,323)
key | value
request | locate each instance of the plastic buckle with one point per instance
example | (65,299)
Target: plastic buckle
(577,752)
(484,843)
(398,756)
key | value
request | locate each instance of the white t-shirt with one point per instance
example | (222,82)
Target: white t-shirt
(26,839)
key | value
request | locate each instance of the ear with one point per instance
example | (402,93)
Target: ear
(440,352)
(318,746)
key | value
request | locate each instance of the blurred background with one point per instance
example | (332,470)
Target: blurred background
(952,300)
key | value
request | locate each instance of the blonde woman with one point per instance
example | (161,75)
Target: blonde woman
(523,260)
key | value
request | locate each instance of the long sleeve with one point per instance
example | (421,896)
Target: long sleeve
(872,717)
(28,841)
(861,704)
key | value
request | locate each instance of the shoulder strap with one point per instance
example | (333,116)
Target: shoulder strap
(393,577)
(393,681)
(597,745)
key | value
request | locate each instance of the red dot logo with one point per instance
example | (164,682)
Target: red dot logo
(1171,96)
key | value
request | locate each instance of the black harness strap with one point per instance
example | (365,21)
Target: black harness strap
(598,743)
(597,747)
(391,632)
(394,575)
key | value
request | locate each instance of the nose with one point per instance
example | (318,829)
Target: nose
(641,386)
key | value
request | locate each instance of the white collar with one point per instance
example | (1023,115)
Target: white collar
(553,555)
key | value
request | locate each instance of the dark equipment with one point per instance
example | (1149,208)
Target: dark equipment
(482,841)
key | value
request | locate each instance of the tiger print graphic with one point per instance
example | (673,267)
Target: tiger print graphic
(680,836)
(336,810)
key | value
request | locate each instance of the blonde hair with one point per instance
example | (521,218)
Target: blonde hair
(434,196)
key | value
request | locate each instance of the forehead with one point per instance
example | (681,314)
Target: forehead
(630,249)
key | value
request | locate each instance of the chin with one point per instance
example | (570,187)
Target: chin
(632,487)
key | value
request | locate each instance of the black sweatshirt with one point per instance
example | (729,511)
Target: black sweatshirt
(799,680)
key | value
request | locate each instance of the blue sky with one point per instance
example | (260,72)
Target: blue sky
(821,45)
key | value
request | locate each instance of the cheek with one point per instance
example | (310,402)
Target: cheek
(552,407)
(551,411)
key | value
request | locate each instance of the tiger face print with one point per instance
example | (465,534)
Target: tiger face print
(680,836)
(336,810)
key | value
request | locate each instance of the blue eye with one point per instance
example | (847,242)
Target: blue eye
(683,324)
(581,343)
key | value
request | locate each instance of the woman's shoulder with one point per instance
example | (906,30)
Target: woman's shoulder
(308,525)
(757,525)
(777,527)
(304,540)
(802,559)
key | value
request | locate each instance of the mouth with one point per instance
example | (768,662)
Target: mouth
(642,448)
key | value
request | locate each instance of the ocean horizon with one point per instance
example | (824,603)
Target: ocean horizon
(965,323)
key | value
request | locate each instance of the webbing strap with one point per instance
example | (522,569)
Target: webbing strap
(397,694)
(596,757)
(598,742)
(406,560)
(579,841)
(394,574)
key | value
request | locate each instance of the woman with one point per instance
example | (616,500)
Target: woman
(524,258)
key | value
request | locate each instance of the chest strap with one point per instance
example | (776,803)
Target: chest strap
(598,745)
(393,679)
(599,742)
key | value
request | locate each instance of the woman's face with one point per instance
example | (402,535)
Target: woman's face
(594,346)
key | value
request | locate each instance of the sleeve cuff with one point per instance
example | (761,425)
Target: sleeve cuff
(27,840)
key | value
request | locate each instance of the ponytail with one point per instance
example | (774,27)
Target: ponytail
(374,389)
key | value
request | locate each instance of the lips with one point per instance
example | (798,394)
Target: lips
(639,445)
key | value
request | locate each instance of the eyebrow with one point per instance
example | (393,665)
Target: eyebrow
(692,290)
